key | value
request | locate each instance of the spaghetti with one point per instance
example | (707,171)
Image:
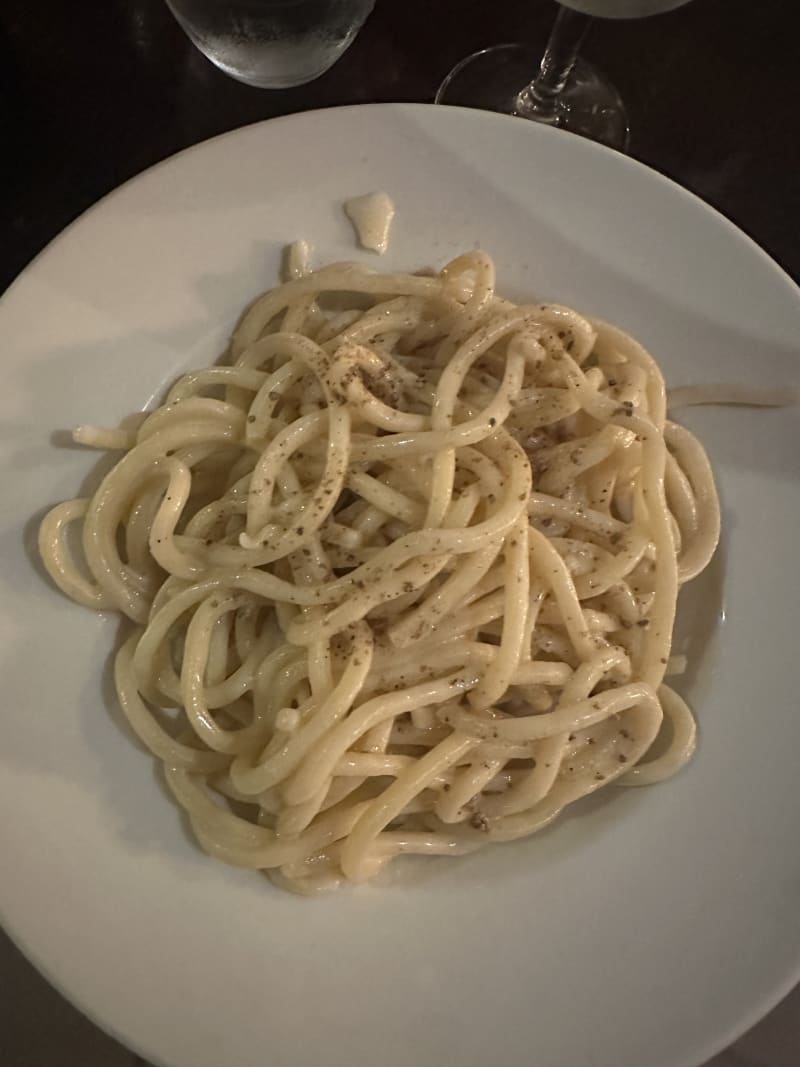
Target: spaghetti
(402,573)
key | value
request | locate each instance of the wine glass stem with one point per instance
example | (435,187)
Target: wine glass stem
(539,99)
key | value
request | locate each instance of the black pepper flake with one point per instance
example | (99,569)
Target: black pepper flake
(622,758)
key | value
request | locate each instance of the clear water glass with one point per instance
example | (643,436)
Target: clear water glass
(273,44)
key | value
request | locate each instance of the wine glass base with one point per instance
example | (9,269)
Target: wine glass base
(494,78)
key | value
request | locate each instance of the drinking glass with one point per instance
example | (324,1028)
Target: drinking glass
(565,91)
(272,44)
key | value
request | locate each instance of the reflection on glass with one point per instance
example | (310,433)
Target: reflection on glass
(565,90)
(272,44)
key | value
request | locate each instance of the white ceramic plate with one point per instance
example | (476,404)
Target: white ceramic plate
(646,929)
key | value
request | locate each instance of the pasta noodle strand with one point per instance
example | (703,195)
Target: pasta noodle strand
(402,576)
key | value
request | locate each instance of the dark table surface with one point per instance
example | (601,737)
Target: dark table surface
(94,92)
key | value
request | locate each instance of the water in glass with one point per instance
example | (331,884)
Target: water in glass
(272,43)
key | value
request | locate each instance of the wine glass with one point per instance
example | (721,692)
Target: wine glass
(566,91)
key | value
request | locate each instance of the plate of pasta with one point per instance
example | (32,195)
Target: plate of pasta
(348,591)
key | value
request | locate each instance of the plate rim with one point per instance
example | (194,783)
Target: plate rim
(412,106)
(780,274)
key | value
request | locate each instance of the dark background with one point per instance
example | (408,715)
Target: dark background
(96,90)
(93,91)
